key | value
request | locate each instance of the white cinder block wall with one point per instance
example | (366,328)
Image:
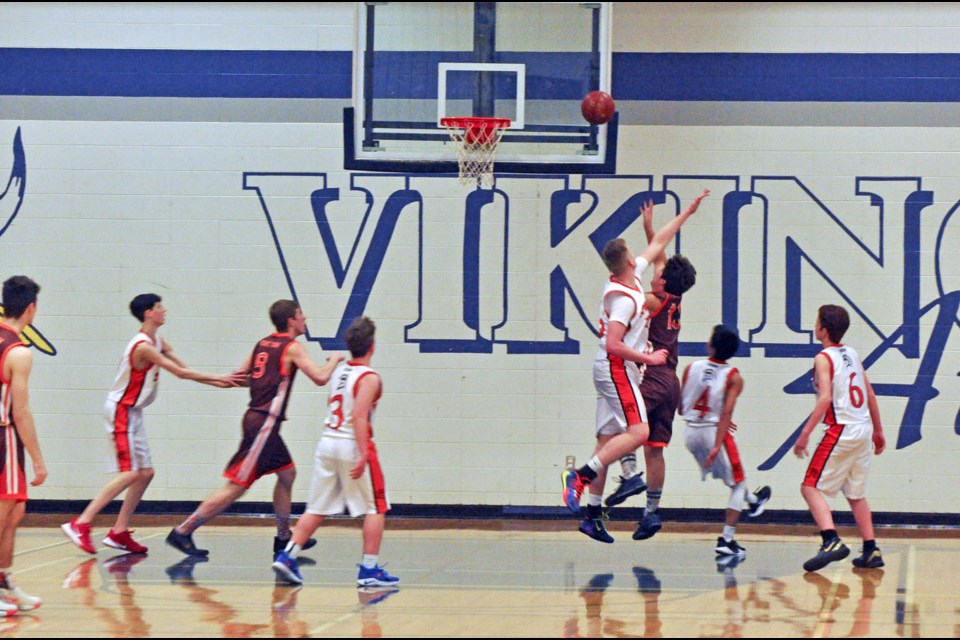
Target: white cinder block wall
(127,193)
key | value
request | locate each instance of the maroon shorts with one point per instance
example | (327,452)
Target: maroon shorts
(262,450)
(661,396)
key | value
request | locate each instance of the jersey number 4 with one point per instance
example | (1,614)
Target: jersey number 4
(703,404)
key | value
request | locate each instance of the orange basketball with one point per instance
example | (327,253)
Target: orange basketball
(597,107)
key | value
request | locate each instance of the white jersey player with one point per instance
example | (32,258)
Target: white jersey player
(347,472)
(621,426)
(708,397)
(847,405)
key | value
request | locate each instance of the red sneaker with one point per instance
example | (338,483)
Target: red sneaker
(79,534)
(124,541)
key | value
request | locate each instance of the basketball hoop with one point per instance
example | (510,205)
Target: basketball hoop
(476,140)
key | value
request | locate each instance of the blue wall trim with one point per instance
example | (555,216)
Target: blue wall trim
(176,74)
(787,77)
(749,77)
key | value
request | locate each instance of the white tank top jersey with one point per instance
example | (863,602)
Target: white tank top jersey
(849,389)
(633,316)
(343,393)
(704,391)
(134,388)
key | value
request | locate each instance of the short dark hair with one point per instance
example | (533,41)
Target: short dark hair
(725,342)
(359,336)
(143,303)
(679,275)
(281,311)
(615,255)
(19,292)
(835,320)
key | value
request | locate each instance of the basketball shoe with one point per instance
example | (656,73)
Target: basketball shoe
(124,541)
(830,551)
(594,528)
(872,560)
(572,489)
(730,548)
(184,544)
(648,526)
(11,593)
(763,497)
(628,487)
(287,568)
(377,576)
(79,534)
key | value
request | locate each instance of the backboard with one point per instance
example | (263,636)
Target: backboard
(532,62)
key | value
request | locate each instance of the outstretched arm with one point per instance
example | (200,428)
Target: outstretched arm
(661,259)
(297,354)
(145,354)
(20,362)
(660,240)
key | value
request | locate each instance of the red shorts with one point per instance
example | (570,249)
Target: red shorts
(262,450)
(13,478)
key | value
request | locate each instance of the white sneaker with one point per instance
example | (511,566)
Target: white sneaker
(7,608)
(21,599)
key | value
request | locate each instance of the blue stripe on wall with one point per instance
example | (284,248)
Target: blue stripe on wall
(785,77)
(750,77)
(180,74)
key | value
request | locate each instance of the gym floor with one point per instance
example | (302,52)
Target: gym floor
(471,578)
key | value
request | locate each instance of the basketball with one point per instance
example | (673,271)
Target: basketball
(597,107)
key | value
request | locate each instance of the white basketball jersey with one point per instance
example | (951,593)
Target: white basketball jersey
(134,388)
(343,393)
(704,392)
(849,389)
(638,324)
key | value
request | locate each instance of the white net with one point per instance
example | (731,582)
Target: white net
(476,141)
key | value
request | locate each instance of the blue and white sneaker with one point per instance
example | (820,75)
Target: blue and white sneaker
(648,526)
(376,576)
(286,567)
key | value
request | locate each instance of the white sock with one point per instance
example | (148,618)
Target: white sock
(752,498)
(594,501)
(369,561)
(728,532)
(293,549)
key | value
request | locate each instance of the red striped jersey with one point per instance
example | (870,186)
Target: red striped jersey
(636,320)
(133,388)
(704,392)
(9,339)
(270,381)
(849,405)
(343,394)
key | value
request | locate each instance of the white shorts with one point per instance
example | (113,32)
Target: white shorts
(841,461)
(727,466)
(332,490)
(129,449)
(619,402)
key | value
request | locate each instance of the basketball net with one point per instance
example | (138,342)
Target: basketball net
(476,141)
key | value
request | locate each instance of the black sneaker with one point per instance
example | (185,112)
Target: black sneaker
(279,545)
(872,560)
(628,487)
(763,497)
(730,548)
(648,526)
(184,544)
(594,528)
(830,551)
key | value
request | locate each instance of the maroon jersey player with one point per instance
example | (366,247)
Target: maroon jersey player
(271,369)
